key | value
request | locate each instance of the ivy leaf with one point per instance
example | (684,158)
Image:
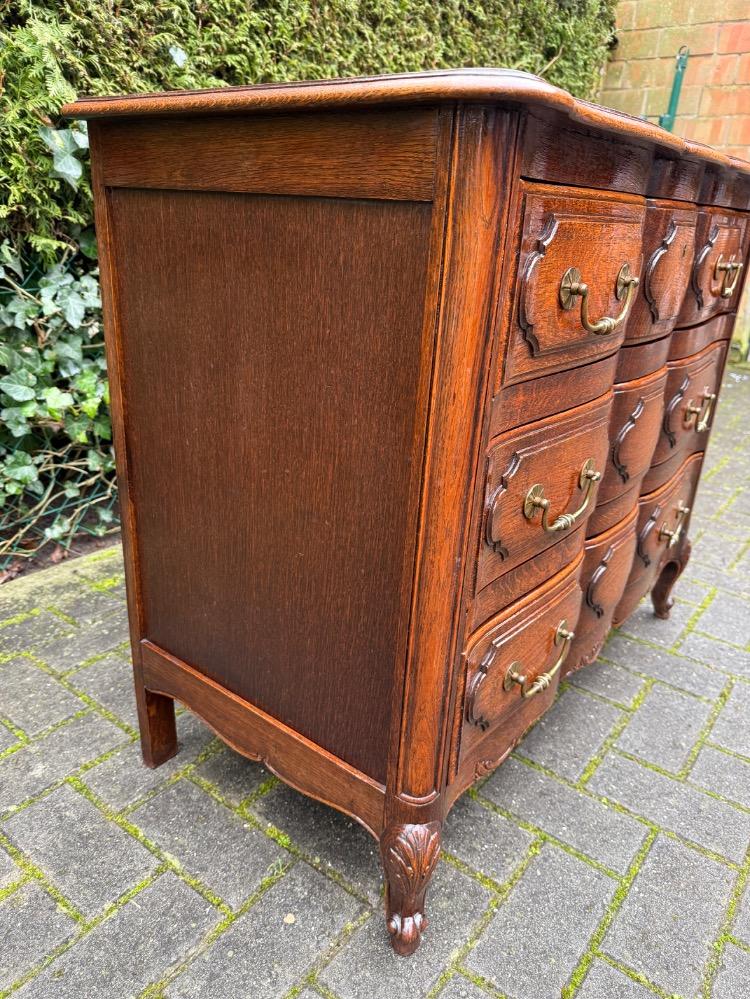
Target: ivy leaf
(66,166)
(20,468)
(56,400)
(87,244)
(10,259)
(74,310)
(179,56)
(19,385)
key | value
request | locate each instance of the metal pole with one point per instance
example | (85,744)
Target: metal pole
(667,120)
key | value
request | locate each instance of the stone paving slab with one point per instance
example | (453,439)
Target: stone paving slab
(608,859)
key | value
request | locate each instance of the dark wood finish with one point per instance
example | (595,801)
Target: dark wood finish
(340,360)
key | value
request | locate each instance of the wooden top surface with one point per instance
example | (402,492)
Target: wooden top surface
(504,86)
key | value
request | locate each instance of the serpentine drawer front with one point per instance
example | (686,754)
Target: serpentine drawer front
(467,334)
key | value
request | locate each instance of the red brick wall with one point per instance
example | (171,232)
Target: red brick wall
(715,101)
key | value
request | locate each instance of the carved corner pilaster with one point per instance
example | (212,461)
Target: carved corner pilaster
(410,853)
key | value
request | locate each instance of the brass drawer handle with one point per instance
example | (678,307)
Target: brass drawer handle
(514,675)
(728,268)
(572,286)
(701,413)
(536,500)
(675,534)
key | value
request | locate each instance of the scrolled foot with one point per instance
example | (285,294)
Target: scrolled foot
(661,594)
(410,853)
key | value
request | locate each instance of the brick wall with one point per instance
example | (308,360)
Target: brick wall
(714,103)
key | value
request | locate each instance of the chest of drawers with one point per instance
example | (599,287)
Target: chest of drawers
(412,379)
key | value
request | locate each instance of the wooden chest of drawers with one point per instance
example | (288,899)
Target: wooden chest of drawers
(412,379)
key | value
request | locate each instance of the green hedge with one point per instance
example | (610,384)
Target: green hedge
(52,381)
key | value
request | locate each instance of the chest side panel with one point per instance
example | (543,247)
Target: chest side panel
(270,360)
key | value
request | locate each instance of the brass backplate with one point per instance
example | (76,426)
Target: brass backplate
(570,279)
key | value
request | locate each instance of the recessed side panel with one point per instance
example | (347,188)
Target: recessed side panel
(271,363)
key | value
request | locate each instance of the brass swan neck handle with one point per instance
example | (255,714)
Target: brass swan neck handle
(536,500)
(513,675)
(700,413)
(572,287)
(731,274)
(673,535)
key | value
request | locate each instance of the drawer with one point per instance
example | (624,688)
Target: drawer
(541,485)
(663,517)
(668,250)
(692,340)
(634,428)
(689,404)
(513,664)
(607,561)
(716,275)
(579,257)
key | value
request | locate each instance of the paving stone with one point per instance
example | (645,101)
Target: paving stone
(212,843)
(716,654)
(110,682)
(670,917)
(124,778)
(31,925)
(7,738)
(682,809)
(741,926)
(90,859)
(726,618)
(734,974)
(234,776)
(691,592)
(605,982)
(37,766)
(85,605)
(662,665)
(523,951)
(726,775)
(460,988)
(124,954)
(92,640)
(716,549)
(32,699)
(570,733)
(583,823)
(665,727)
(23,636)
(732,729)
(368,966)
(274,943)
(486,841)
(9,872)
(609,681)
(646,625)
(330,838)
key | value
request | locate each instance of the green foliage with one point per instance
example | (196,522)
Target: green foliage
(51,365)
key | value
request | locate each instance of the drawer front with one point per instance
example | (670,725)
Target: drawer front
(634,430)
(716,275)
(690,401)
(663,516)
(568,244)
(514,663)
(541,486)
(694,339)
(607,561)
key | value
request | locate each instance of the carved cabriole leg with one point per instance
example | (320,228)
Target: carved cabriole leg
(410,853)
(661,594)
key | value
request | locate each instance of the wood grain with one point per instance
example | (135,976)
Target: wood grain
(265,453)
(358,154)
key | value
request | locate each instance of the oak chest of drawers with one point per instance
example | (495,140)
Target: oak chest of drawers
(412,379)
